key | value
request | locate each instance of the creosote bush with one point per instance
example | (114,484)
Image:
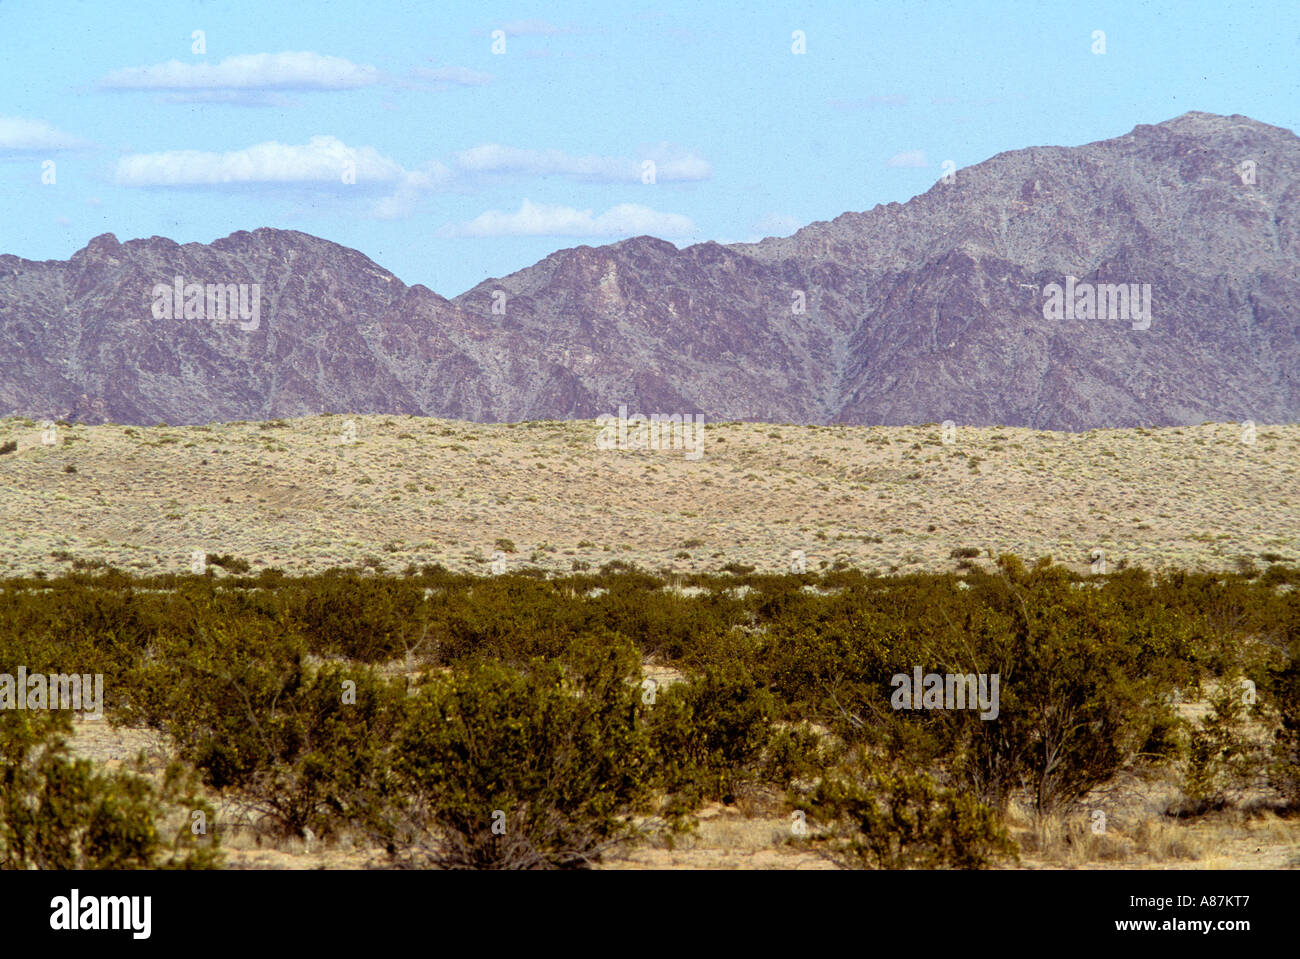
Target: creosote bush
(536,768)
(498,721)
(58,812)
(882,818)
(709,733)
(1284,760)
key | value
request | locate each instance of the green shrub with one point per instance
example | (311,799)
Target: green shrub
(798,755)
(371,619)
(1076,703)
(300,746)
(229,563)
(878,818)
(1284,770)
(247,672)
(499,768)
(708,734)
(1221,757)
(57,812)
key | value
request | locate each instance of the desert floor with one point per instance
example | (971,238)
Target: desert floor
(389,491)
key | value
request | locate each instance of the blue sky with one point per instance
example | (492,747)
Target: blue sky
(396,129)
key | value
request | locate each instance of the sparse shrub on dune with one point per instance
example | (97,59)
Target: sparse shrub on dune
(230,564)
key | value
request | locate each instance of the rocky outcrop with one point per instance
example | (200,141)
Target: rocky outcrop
(906,313)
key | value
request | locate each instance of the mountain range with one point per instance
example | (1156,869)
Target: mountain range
(931,310)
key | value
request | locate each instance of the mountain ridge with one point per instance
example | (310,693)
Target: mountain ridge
(915,312)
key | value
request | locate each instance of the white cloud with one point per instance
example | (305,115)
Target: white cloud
(536,219)
(671,164)
(322,162)
(20,133)
(260,71)
(908,158)
(323,159)
(412,186)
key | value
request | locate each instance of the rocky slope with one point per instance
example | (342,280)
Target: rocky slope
(912,313)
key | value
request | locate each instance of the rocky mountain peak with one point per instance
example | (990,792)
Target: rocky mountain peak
(918,312)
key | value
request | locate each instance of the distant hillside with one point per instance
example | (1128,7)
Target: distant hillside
(905,314)
(310,494)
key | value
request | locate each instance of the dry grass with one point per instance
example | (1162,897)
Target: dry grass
(1232,839)
(292,494)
